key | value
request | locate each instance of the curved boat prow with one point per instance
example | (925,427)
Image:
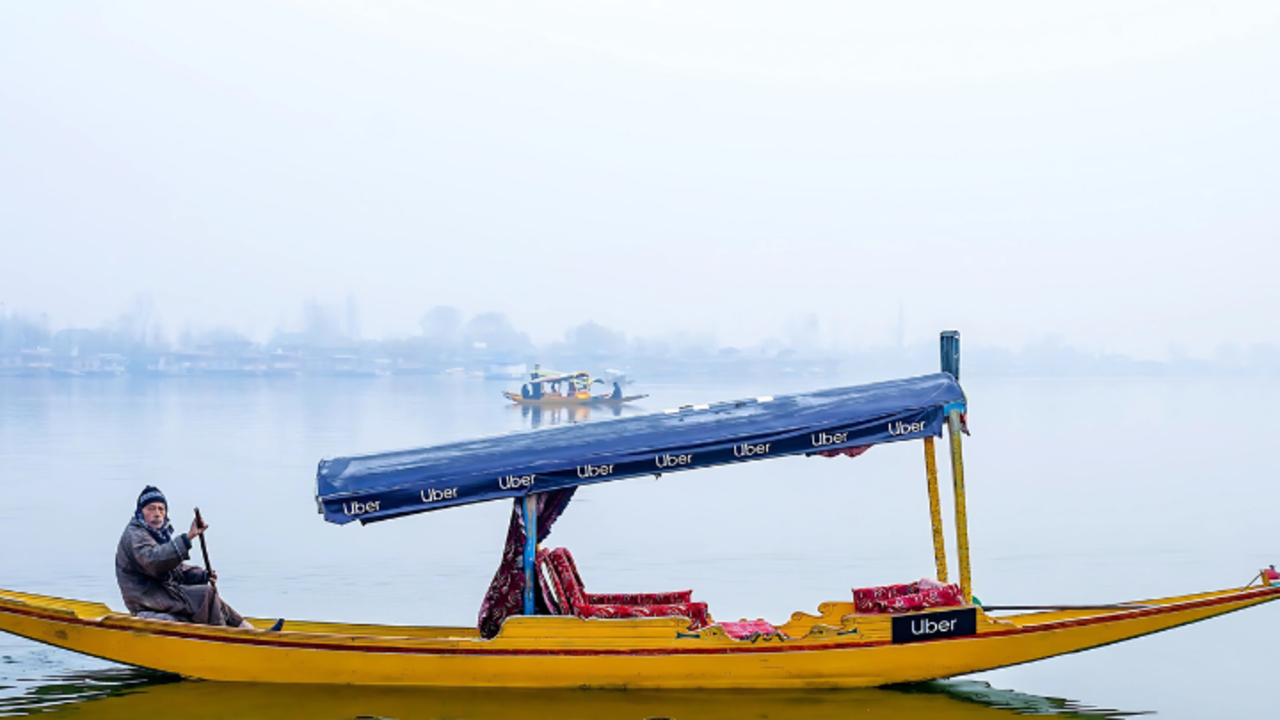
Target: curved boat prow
(1038,635)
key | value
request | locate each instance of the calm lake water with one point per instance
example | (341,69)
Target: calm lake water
(1080,491)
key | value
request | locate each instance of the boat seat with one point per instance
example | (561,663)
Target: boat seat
(907,597)
(666,598)
(566,595)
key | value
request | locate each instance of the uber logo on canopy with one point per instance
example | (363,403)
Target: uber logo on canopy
(511,482)
(355,507)
(823,438)
(748,450)
(590,471)
(433,495)
(901,428)
(668,460)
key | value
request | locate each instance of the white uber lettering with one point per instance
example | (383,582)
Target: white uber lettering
(433,495)
(666,461)
(747,450)
(512,482)
(593,471)
(823,438)
(901,428)
(929,627)
(359,508)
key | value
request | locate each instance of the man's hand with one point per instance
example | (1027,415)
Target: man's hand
(213,576)
(197,528)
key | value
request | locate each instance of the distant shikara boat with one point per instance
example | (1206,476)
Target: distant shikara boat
(543,389)
(540,628)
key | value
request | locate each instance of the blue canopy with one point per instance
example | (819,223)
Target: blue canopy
(387,485)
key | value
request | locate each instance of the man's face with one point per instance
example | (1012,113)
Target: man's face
(153,514)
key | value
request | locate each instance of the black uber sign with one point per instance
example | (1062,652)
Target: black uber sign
(935,625)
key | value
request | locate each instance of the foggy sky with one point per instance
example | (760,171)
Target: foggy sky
(1105,172)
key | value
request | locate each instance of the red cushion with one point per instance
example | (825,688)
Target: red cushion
(872,599)
(561,575)
(747,628)
(551,588)
(905,598)
(666,598)
(695,611)
(570,586)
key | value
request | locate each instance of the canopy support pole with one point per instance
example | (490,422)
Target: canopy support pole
(949,345)
(530,512)
(935,510)
(962,517)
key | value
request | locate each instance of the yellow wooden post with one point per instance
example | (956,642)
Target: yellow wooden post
(935,510)
(962,519)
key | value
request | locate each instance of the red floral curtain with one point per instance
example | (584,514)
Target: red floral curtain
(506,593)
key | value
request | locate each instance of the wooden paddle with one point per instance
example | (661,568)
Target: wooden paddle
(205,552)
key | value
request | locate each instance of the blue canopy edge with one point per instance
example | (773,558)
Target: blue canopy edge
(382,486)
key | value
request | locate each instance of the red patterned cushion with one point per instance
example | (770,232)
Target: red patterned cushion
(568,584)
(905,598)
(666,598)
(551,588)
(936,594)
(695,611)
(873,599)
(559,574)
(747,628)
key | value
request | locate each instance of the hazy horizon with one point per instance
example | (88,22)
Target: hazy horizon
(1103,174)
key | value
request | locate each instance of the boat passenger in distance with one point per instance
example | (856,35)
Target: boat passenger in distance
(154,580)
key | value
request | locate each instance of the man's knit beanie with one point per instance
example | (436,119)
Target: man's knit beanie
(151,494)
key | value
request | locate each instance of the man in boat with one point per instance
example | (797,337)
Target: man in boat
(154,580)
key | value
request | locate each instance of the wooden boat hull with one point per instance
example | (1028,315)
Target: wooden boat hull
(832,649)
(562,401)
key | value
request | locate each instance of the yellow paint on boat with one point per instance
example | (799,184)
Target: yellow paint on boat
(834,648)
(935,509)
(962,515)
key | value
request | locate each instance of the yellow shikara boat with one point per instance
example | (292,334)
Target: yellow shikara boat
(543,390)
(535,634)
(834,648)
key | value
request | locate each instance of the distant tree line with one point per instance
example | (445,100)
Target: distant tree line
(447,336)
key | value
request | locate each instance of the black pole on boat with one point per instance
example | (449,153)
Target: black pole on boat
(529,510)
(204,551)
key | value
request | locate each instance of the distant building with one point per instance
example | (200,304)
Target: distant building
(27,363)
(506,371)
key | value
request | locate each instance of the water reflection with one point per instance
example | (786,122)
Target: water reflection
(541,417)
(128,693)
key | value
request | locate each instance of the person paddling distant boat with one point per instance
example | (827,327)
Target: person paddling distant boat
(154,580)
